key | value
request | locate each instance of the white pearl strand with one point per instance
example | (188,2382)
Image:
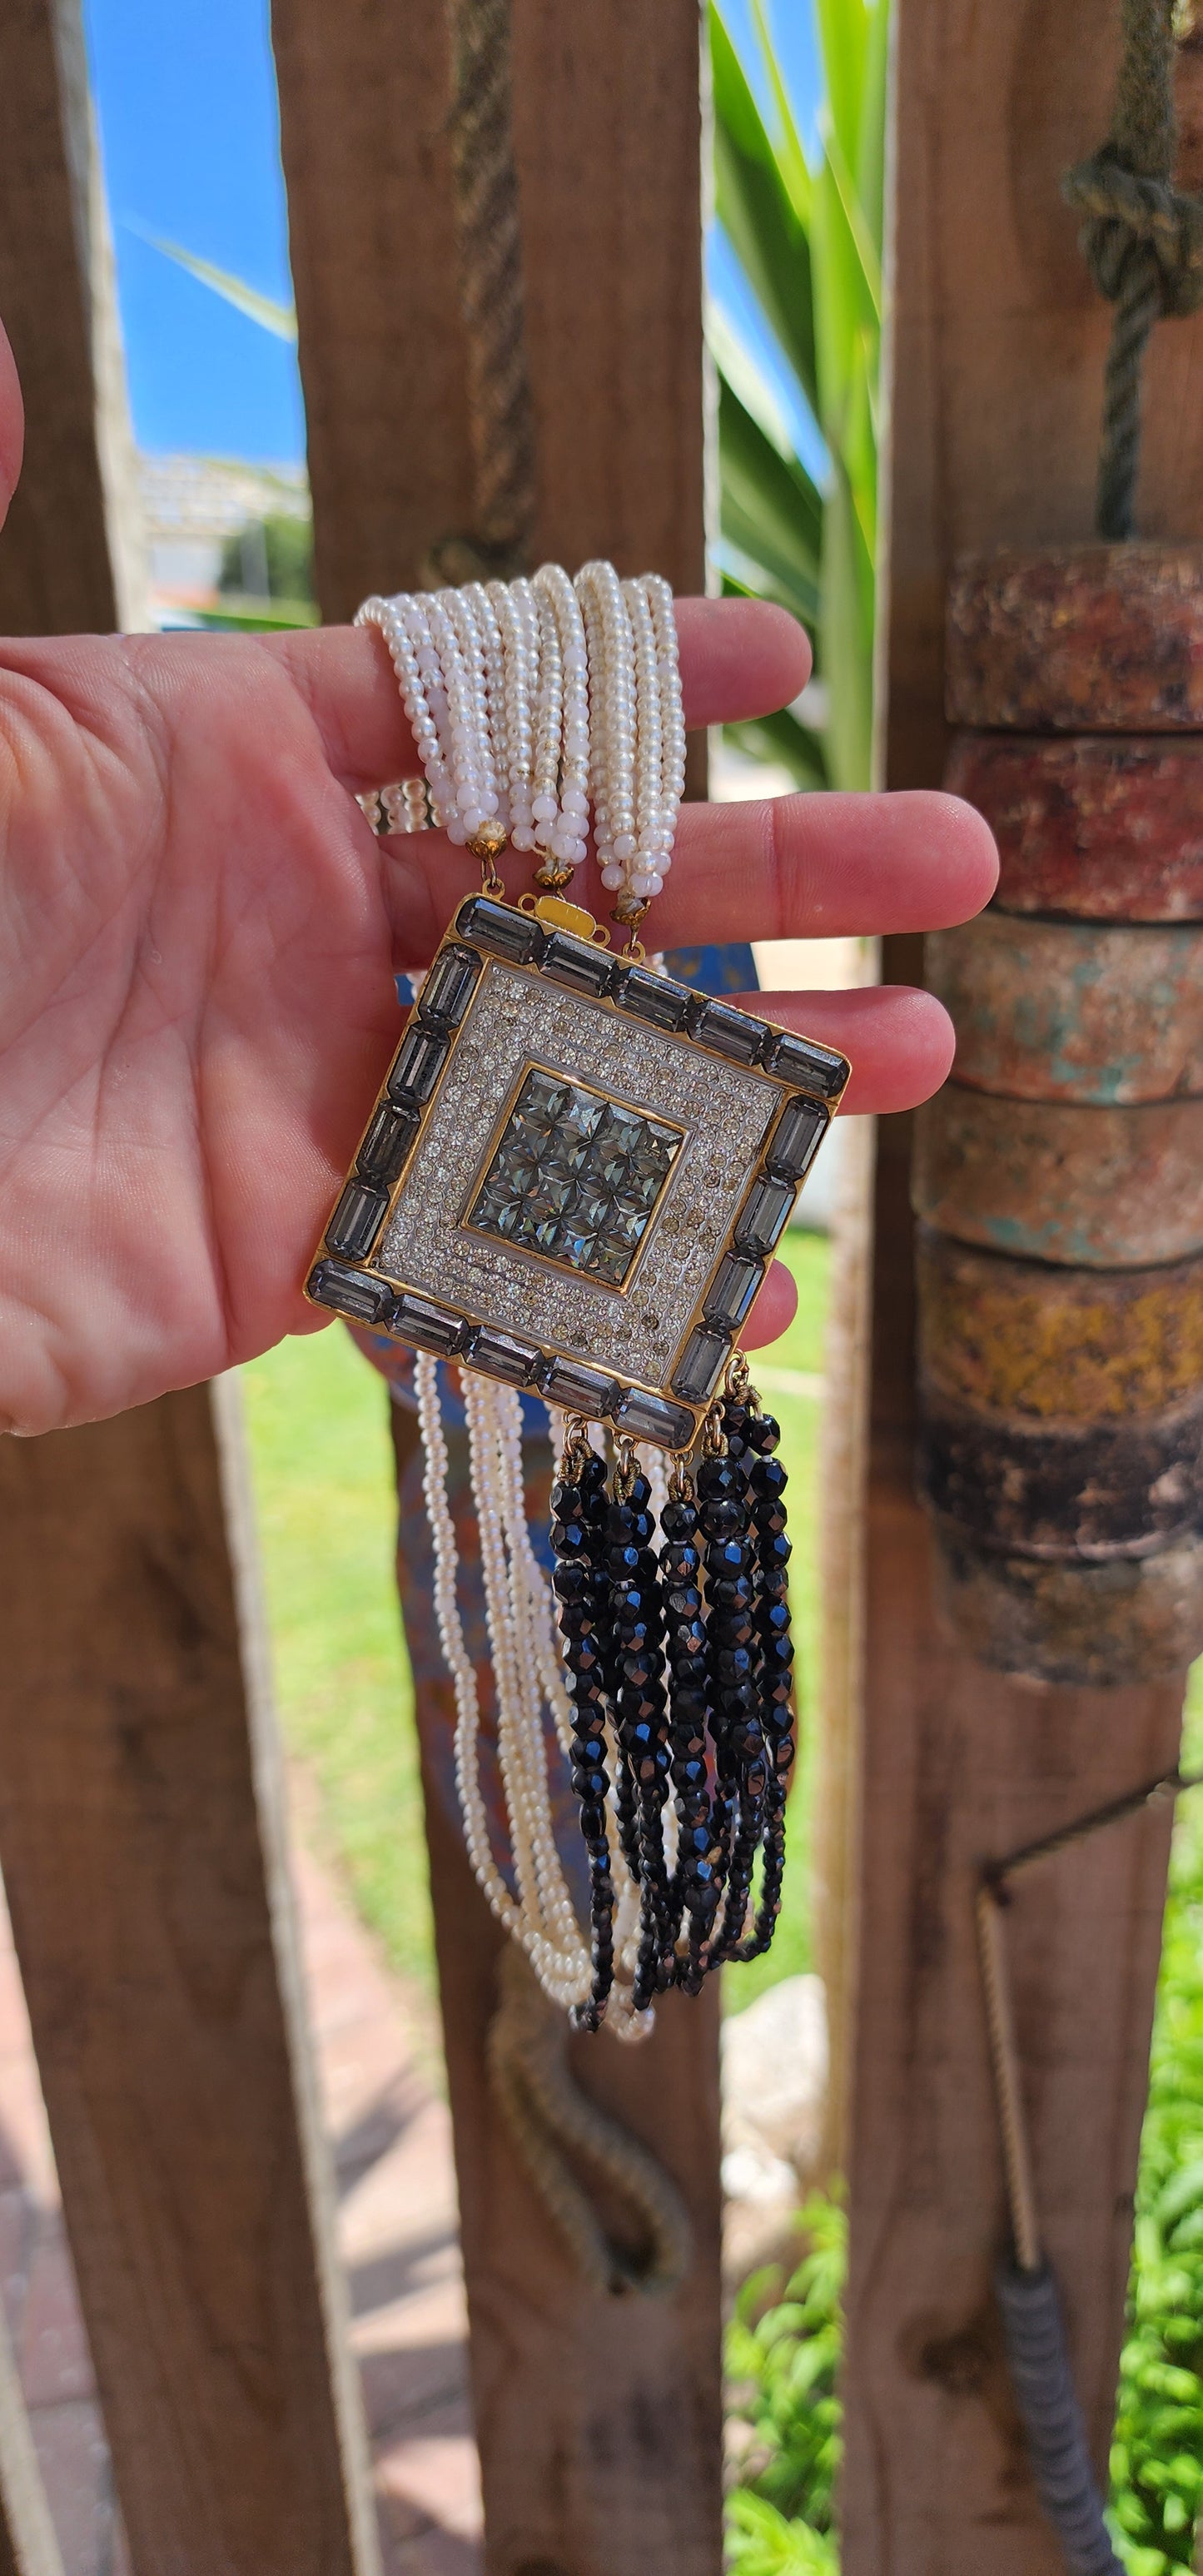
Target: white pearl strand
(563,838)
(529,1680)
(517,632)
(612,720)
(529,698)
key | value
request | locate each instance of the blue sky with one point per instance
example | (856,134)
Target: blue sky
(186,102)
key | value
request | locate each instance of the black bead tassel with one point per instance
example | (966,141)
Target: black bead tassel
(679,1665)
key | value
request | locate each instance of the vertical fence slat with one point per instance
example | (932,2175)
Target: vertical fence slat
(600,2431)
(146,1887)
(133,1854)
(994,391)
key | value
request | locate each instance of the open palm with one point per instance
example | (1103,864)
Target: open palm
(198,934)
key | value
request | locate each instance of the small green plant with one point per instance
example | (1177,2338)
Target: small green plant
(782,2368)
(1157,2454)
(809,242)
(271,558)
(760,2542)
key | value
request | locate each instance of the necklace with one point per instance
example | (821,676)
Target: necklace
(571,1185)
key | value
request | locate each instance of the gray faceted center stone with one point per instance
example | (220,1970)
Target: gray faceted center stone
(575,1177)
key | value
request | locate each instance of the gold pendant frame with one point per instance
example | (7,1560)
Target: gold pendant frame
(534,987)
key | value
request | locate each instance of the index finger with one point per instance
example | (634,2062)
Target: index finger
(739,658)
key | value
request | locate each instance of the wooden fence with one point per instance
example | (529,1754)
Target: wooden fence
(140,1836)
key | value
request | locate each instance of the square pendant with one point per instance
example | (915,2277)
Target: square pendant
(575,1172)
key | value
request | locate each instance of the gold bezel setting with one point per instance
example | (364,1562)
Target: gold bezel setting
(508,988)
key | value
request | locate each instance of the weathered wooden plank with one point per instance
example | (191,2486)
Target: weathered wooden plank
(599,2418)
(144,1878)
(28,2543)
(607,138)
(600,2426)
(994,391)
(145,1874)
(70,552)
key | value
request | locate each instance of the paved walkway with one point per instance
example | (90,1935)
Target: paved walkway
(391,2138)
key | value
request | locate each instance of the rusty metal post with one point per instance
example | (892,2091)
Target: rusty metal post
(1059,1178)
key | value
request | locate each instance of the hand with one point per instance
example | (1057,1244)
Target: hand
(198,933)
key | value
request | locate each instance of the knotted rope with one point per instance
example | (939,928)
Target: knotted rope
(1143,241)
(558,2130)
(500,414)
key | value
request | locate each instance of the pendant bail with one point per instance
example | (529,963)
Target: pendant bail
(487,844)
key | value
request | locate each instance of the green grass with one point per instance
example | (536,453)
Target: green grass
(317,1418)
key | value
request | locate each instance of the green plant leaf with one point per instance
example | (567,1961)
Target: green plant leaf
(770,508)
(781,740)
(792,161)
(758,214)
(279,319)
(843,32)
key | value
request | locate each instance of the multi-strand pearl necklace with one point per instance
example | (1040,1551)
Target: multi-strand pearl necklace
(530,701)
(532,1707)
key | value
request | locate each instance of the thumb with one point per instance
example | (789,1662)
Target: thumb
(12,424)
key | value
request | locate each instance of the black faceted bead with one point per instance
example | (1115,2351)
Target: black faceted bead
(571,1583)
(767,1475)
(735,1427)
(763,1432)
(777,1551)
(716,1477)
(722,1519)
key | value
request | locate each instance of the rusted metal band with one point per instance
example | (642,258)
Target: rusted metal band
(1104,828)
(1083,639)
(1035,1344)
(1073,1010)
(1133,1619)
(1111,1189)
(1081,1492)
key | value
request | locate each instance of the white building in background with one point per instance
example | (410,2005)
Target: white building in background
(191,506)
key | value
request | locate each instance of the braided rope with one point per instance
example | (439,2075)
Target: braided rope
(556,2129)
(491,298)
(1142,241)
